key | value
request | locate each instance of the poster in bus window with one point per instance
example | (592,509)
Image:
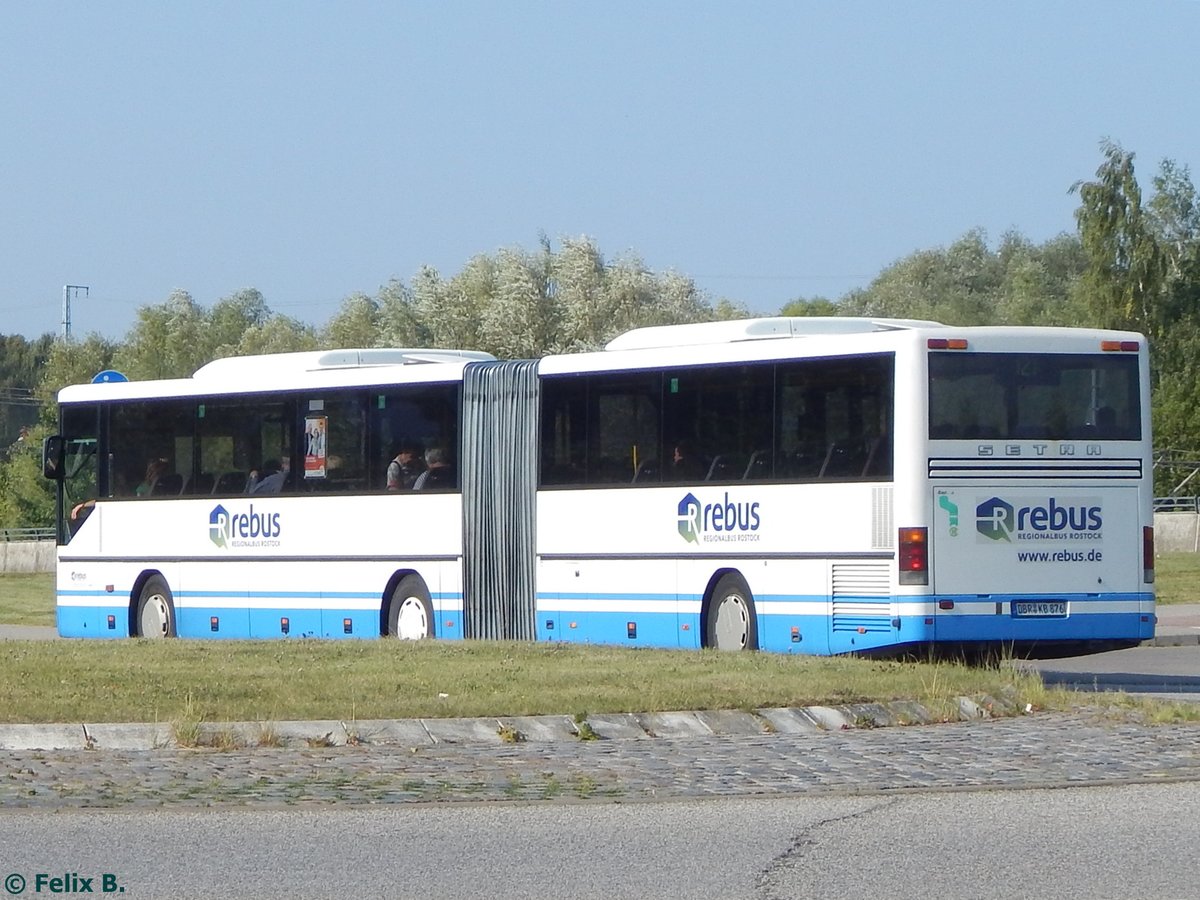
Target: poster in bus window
(315,431)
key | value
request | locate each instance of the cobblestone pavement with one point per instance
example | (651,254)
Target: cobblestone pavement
(1032,751)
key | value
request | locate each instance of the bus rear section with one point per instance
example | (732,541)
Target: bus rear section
(1039,564)
(1039,490)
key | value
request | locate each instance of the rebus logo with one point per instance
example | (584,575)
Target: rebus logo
(999,520)
(242,529)
(722,521)
(218,526)
(689,518)
(994,519)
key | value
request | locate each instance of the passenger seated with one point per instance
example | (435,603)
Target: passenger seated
(274,480)
(405,468)
(686,464)
(439,473)
(155,470)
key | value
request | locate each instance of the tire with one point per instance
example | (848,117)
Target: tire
(410,611)
(731,623)
(155,614)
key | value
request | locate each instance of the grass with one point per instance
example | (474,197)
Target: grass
(192,682)
(189,683)
(27,599)
(1177,578)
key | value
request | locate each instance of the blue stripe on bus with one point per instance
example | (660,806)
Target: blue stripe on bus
(309,595)
(298,595)
(778,631)
(614,595)
(788,632)
(246,622)
(92,621)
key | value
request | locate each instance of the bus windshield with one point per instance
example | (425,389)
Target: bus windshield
(1044,396)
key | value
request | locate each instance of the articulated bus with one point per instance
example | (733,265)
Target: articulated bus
(800,485)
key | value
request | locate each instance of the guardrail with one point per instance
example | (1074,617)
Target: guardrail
(8,535)
(1177,504)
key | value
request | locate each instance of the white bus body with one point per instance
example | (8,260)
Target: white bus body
(855,485)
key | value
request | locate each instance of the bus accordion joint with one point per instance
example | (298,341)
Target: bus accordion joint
(914,555)
(947,344)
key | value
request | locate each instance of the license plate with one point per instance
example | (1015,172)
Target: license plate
(1039,608)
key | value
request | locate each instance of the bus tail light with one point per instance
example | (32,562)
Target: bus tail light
(914,555)
(1148,554)
(947,344)
(1120,346)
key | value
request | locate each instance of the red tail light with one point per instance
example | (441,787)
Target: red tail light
(914,555)
(1148,554)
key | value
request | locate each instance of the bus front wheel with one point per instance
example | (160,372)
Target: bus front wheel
(732,623)
(410,611)
(155,617)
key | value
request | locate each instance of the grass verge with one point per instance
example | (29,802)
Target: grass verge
(190,682)
(27,599)
(1177,578)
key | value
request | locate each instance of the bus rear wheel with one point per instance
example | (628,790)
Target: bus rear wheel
(410,611)
(155,616)
(732,623)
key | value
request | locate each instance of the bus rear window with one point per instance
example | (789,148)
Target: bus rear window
(1027,396)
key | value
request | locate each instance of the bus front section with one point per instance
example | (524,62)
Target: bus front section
(1039,489)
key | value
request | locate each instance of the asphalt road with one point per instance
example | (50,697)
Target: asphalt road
(974,809)
(1093,842)
(1163,672)
(1168,669)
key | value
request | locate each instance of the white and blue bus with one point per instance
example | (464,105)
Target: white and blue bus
(800,485)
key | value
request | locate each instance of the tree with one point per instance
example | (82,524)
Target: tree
(26,497)
(580,278)
(518,314)
(960,285)
(229,320)
(400,321)
(1124,279)
(22,364)
(449,310)
(355,326)
(73,362)
(167,341)
(278,334)
(1038,282)
(811,306)
(725,309)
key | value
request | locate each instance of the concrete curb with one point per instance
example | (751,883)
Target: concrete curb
(1172,640)
(417,733)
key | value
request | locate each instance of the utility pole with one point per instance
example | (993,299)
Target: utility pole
(69,291)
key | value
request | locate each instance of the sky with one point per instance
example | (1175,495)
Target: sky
(767,150)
